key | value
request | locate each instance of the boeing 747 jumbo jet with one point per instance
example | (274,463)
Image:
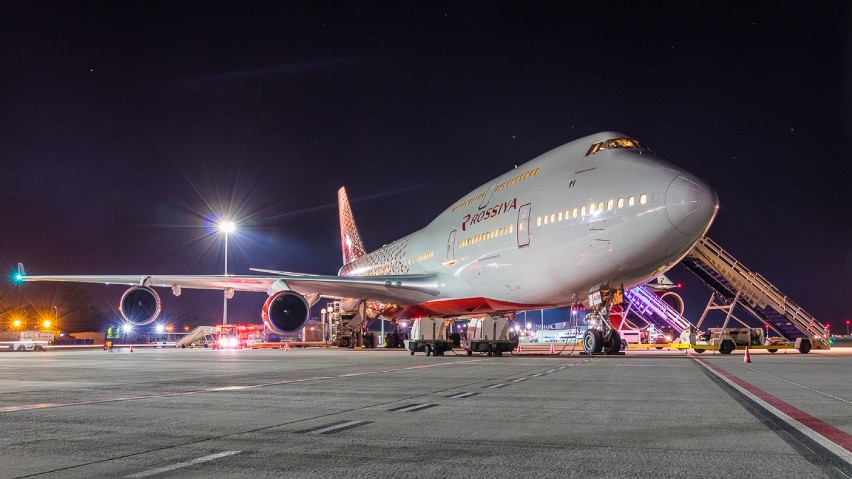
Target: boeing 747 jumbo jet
(578,224)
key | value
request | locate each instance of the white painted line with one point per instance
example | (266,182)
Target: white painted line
(551,371)
(335,427)
(494,386)
(415,407)
(535,375)
(463,395)
(519,379)
(799,385)
(160,470)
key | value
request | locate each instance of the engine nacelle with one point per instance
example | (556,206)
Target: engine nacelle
(286,312)
(672,299)
(140,305)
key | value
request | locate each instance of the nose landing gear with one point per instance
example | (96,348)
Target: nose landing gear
(605,340)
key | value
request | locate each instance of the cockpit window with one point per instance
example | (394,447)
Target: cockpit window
(615,143)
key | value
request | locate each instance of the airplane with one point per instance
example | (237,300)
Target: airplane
(575,225)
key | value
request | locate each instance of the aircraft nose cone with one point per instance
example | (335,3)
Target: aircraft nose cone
(691,204)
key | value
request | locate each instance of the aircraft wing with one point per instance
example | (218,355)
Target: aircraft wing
(397,289)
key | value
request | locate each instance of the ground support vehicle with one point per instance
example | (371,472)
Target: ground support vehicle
(30,341)
(429,335)
(490,336)
(726,340)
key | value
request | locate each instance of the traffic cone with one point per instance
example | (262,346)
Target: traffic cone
(747,357)
(131,348)
(552,351)
(519,347)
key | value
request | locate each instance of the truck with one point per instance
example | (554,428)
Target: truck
(726,340)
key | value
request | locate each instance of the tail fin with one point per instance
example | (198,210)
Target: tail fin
(350,240)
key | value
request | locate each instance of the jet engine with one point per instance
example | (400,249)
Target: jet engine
(286,312)
(140,305)
(672,299)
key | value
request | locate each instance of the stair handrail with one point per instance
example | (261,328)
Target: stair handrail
(661,308)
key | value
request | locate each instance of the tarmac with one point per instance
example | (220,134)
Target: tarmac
(309,413)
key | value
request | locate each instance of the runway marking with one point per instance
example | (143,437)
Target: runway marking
(550,371)
(494,386)
(462,395)
(519,380)
(833,440)
(412,407)
(335,427)
(536,375)
(160,470)
(49,405)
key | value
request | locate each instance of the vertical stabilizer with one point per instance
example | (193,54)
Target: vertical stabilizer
(350,240)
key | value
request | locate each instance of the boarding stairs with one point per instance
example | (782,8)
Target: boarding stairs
(653,310)
(196,335)
(736,285)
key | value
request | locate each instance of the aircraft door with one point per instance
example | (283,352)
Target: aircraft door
(524,225)
(488,193)
(451,246)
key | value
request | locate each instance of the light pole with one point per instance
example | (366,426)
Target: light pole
(226,227)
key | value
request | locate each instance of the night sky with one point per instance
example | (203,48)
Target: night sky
(125,127)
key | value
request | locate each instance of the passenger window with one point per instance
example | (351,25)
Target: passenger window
(630,201)
(560,216)
(545,220)
(600,207)
(552,217)
(575,213)
(643,198)
(621,202)
(583,211)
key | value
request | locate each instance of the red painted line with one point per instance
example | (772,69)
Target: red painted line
(27,407)
(822,428)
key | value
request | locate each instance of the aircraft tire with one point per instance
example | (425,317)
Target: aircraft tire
(612,342)
(592,341)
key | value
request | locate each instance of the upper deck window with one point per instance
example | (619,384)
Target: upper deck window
(615,143)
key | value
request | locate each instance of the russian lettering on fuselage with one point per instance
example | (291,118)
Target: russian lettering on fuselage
(489,213)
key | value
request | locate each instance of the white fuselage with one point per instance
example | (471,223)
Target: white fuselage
(552,230)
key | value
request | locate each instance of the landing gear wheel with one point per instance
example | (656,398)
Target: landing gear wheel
(612,342)
(592,341)
(624,345)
